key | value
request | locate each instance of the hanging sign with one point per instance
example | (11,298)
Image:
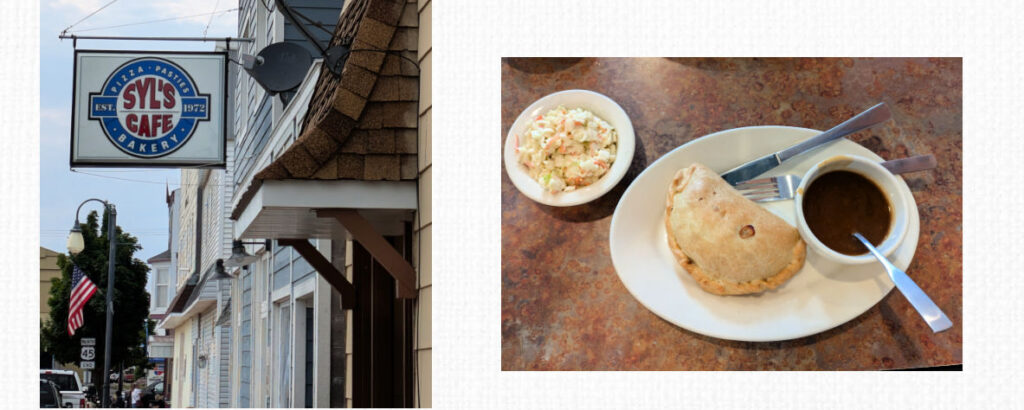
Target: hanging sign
(149,109)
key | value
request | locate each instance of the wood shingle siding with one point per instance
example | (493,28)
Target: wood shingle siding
(377,90)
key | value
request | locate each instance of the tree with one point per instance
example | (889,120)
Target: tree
(131,301)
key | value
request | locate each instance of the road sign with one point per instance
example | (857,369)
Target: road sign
(88,352)
(88,365)
(88,341)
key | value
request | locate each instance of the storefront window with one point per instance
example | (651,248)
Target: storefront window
(283,336)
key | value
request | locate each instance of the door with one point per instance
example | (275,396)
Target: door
(382,333)
(309,359)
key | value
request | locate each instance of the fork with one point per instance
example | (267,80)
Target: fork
(782,187)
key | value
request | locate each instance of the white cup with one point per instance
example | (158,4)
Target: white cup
(889,184)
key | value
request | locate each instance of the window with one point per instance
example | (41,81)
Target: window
(282,267)
(161,288)
(63,381)
(284,356)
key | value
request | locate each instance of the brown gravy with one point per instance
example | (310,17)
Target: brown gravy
(839,203)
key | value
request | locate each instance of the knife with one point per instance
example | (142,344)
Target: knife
(874,115)
(910,164)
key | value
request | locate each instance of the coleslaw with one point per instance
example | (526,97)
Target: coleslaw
(565,149)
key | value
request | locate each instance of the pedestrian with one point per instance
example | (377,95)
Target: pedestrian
(136,396)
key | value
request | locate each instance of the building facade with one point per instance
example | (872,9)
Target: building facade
(48,271)
(161,285)
(159,345)
(198,315)
(327,188)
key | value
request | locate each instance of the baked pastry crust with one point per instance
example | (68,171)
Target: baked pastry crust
(727,243)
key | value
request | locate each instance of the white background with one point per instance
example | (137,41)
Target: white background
(470,37)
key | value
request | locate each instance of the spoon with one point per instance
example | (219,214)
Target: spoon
(924,305)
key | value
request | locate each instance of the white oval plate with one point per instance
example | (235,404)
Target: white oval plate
(596,103)
(821,296)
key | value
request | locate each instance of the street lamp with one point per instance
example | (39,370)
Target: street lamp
(239,257)
(75,242)
(75,245)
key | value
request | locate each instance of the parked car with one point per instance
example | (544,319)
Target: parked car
(70,387)
(49,395)
(154,395)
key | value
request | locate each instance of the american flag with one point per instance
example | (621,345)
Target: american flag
(81,290)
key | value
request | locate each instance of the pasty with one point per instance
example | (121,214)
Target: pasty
(729,244)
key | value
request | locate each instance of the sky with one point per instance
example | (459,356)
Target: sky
(138,194)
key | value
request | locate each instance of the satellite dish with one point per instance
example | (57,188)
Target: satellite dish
(280,67)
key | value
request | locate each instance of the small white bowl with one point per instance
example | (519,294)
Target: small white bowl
(898,202)
(601,106)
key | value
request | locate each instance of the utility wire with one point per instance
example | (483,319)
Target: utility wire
(142,180)
(287,11)
(318,24)
(155,21)
(121,170)
(87,16)
(315,23)
(54,232)
(210,21)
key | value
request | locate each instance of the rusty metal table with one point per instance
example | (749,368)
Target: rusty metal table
(564,308)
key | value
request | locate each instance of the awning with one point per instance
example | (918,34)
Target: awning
(170,321)
(174,316)
(160,346)
(353,168)
(284,209)
(205,293)
(360,125)
(181,298)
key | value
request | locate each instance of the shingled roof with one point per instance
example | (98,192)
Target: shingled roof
(361,125)
(164,256)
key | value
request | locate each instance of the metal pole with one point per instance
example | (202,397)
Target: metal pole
(112,238)
(120,384)
(203,39)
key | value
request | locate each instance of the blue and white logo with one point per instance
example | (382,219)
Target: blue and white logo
(149,107)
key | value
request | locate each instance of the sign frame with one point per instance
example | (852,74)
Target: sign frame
(221,163)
